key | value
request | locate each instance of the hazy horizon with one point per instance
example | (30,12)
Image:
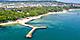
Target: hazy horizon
(67,1)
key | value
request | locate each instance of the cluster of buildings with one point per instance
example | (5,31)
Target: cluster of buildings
(36,4)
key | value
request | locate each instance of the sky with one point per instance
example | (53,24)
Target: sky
(68,1)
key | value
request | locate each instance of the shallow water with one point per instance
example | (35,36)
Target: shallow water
(60,27)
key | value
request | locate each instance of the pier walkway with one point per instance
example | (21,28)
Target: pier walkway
(29,35)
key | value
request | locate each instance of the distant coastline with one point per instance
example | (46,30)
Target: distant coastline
(73,9)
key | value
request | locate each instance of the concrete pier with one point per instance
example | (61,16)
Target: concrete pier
(27,25)
(29,35)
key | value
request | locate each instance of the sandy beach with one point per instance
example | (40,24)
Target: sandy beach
(27,19)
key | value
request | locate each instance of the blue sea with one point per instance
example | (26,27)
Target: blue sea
(64,26)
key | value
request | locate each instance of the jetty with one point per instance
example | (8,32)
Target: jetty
(29,35)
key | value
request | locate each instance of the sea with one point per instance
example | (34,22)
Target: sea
(64,26)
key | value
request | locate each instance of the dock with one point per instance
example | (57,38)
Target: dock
(29,35)
(26,25)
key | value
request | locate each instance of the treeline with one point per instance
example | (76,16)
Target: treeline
(16,13)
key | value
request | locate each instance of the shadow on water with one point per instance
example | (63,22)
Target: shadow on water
(2,26)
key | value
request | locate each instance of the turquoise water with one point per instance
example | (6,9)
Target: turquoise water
(60,27)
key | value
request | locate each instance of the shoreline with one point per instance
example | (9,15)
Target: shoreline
(73,9)
(27,19)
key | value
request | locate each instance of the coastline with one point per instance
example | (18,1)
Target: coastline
(27,19)
(73,9)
